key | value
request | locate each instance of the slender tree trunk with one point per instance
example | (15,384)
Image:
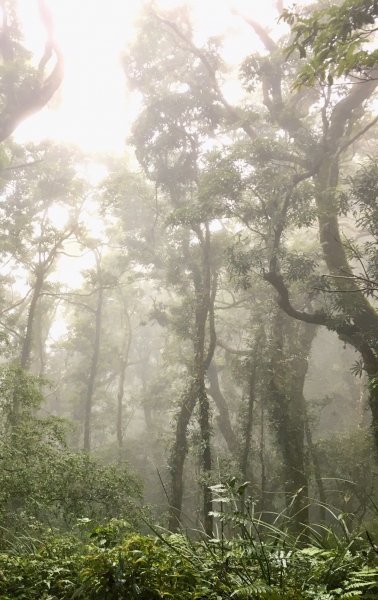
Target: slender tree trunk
(43,322)
(121,382)
(262,456)
(147,411)
(288,410)
(28,339)
(26,345)
(244,463)
(223,418)
(120,395)
(196,391)
(93,372)
(317,469)
(205,427)
(179,452)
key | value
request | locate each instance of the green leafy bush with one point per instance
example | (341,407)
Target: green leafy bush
(42,479)
(111,562)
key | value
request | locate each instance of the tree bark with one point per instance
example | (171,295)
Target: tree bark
(317,469)
(244,462)
(223,418)
(196,390)
(124,360)
(205,428)
(262,456)
(28,339)
(93,371)
(288,371)
(179,452)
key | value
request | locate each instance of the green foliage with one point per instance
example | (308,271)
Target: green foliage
(258,562)
(42,478)
(333,37)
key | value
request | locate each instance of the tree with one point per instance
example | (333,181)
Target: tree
(178,123)
(314,153)
(25,89)
(31,239)
(355,319)
(275,174)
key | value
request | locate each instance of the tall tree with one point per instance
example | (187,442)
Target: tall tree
(311,131)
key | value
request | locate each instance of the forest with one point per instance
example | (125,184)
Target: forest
(189,327)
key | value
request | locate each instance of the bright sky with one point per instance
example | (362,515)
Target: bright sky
(92,108)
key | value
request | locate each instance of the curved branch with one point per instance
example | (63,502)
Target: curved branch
(343,109)
(223,418)
(358,135)
(26,101)
(347,332)
(263,35)
(276,280)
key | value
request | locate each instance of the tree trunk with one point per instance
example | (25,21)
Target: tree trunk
(196,391)
(124,360)
(317,469)
(288,409)
(355,307)
(322,159)
(27,345)
(262,456)
(244,462)
(223,418)
(179,452)
(93,372)
(204,420)
(28,339)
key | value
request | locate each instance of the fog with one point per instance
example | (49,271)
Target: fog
(189,289)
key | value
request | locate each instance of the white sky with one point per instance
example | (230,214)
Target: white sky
(92,108)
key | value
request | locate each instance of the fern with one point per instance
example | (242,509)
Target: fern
(257,591)
(364,580)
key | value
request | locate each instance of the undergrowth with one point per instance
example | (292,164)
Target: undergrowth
(246,559)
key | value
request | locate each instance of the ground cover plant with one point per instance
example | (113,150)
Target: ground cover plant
(248,558)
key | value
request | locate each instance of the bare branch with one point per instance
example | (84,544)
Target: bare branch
(22,165)
(357,136)
(225,346)
(263,35)
(16,303)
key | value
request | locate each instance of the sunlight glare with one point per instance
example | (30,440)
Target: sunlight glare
(58,216)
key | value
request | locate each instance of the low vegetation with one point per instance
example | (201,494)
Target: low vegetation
(258,561)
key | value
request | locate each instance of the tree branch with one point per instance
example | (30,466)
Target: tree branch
(224,346)
(23,102)
(232,111)
(276,280)
(343,109)
(357,136)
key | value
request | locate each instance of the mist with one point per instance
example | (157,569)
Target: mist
(188,301)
